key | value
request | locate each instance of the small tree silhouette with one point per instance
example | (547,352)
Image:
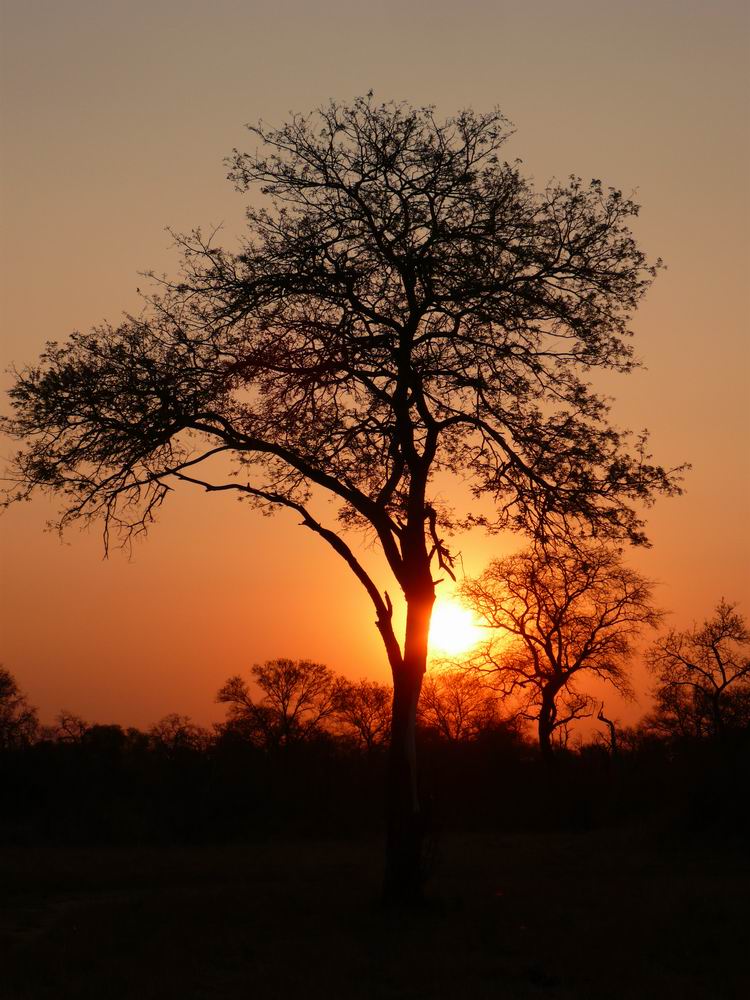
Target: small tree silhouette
(19,723)
(364,710)
(298,695)
(555,614)
(68,728)
(703,675)
(457,705)
(176,733)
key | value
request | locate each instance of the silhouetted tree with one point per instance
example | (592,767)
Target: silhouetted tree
(677,713)
(298,695)
(175,733)
(407,305)
(703,676)
(556,613)
(68,728)
(364,710)
(457,705)
(19,723)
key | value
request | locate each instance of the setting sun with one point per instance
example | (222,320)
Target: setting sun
(453,629)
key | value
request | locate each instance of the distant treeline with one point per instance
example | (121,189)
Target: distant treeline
(307,758)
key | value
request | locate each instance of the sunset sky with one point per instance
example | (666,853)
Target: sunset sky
(116,118)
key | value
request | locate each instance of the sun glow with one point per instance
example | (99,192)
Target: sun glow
(453,629)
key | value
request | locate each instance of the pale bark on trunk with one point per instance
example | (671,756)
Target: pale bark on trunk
(404,862)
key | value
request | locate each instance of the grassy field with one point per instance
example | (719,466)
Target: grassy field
(566,916)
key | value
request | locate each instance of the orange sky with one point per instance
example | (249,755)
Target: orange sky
(115,120)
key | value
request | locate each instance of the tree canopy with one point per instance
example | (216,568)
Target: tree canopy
(703,675)
(407,304)
(553,615)
(297,696)
(18,719)
(458,705)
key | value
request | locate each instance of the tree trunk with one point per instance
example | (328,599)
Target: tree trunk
(404,866)
(546,727)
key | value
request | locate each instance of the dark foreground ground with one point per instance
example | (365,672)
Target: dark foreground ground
(602,916)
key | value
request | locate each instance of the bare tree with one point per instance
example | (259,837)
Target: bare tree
(555,614)
(19,723)
(677,713)
(407,305)
(703,674)
(457,705)
(297,696)
(364,710)
(175,733)
(68,728)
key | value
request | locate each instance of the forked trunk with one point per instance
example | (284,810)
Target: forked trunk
(404,867)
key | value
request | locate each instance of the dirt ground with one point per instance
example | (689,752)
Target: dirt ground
(600,916)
